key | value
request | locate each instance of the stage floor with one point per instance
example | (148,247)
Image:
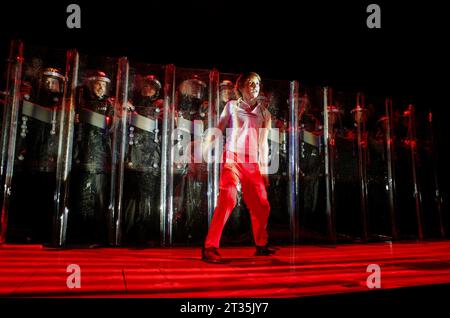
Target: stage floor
(295,271)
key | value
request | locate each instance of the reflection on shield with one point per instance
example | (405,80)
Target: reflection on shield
(190,171)
(140,223)
(30,140)
(110,151)
(91,183)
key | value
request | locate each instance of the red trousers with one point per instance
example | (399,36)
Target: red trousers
(255,197)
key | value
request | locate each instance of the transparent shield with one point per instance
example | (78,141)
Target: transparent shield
(312,183)
(189,170)
(2,106)
(4,75)
(347,121)
(65,143)
(380,190)
(407,186)
(428,176)
(10,113)
(118,149)
(277,94)
(143,153)
(34,143)
(91,189)
(6,83)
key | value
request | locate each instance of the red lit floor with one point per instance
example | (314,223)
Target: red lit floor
(30,270)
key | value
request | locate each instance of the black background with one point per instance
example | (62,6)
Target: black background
(317,42)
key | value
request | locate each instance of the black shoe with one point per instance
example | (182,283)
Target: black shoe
(211,255)
(264,250)
(272,247)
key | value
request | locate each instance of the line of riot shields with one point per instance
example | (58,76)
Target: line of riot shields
(108,151)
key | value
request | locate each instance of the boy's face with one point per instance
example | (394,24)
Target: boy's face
(251,88)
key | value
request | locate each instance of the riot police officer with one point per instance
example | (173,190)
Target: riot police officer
(92,161)
(278,152)
(226,94)
(37,153)
(190,180)
(142,164)
(311,162)
(42,137)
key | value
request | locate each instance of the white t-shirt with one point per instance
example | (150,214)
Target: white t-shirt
(242,127)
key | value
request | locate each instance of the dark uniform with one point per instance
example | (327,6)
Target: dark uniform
(279,180)
(37,154)
(311,164)
(190,179)
(142,181)
(92,161)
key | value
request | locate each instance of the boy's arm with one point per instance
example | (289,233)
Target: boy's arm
(264,146)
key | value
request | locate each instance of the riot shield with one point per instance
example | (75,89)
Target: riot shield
(5,83)
(407,183)
(216,97)
(2,107)
(10,113)
(118,149)
(346,122)
(168,121)
(277,93)
(33,144)
(380,172)
(428,176)
(191,192)
(4,75)
(93,174)
(3,97)
(141,219)
(312,190)
(65,143)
